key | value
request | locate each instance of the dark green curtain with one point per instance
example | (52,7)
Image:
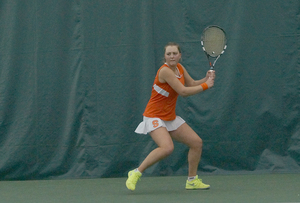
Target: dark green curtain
(75,77)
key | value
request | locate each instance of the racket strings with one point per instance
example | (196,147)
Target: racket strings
(214,41)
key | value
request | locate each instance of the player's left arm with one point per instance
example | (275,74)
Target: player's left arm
(190,82)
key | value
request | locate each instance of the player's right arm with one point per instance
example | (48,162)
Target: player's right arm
(166,75)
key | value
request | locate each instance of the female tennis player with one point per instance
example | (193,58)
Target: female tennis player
(161,121)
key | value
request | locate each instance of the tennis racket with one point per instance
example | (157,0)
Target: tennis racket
(213,41)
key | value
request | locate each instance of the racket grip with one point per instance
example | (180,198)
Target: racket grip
(211,71)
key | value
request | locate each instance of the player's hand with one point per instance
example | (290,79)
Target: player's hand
(211,74)
(210,82)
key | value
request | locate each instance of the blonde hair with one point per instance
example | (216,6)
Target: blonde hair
(173,44)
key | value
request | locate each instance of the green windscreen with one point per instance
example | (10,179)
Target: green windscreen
(75,77)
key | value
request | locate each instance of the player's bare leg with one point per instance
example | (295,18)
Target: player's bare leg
(186,135)
(165,147)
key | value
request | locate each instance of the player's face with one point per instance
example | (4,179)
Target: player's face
(172,55)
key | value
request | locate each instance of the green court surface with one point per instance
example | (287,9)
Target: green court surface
(267,188)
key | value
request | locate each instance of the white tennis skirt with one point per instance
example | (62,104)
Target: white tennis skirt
(150,124)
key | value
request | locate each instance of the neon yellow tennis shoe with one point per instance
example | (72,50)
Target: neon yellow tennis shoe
(133,177)
(196,184)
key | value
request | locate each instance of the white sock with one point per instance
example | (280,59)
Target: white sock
(191,178)
(137,170)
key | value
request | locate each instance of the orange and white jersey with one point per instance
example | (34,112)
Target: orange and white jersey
(162,103)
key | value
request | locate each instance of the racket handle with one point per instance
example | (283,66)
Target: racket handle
(211,70)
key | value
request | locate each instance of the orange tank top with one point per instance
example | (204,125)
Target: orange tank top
(162,103)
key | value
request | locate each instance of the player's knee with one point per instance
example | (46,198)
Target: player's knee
(198,143)
(168,150)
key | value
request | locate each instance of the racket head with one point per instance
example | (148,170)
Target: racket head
(213,40)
